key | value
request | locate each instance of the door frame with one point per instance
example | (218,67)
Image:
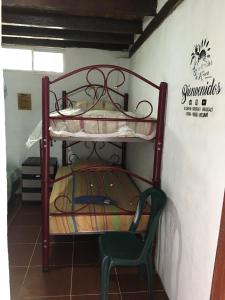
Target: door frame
(218,281)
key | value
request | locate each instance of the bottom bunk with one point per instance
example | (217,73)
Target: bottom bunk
(93,201)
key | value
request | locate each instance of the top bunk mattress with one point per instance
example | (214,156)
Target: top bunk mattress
(95,129)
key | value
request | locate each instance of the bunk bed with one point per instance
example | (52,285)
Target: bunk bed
(94,196)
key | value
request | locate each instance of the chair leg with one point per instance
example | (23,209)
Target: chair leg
(149,280)
(105,273)
(142,271)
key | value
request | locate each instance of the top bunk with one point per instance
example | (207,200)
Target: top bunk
(97,110)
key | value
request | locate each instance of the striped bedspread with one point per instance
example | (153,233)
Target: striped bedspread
(98,201)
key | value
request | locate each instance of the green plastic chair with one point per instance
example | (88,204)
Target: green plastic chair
(126,248)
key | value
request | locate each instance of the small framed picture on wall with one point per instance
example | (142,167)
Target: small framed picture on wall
(24,101)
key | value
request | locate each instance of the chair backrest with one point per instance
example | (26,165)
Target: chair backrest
(139,210)
(158,201)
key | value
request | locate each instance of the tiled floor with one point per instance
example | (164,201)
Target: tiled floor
(74,272)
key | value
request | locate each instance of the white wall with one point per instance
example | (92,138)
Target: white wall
(20,123)
(193,170)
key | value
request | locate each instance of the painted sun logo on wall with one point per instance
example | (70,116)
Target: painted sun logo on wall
(201,60)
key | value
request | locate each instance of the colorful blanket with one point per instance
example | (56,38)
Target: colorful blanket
(93,201)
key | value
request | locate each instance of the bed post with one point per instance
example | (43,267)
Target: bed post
(124,145)
(45,156)
(159,135)
(64,152)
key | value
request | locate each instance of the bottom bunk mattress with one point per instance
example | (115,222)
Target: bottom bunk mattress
(92,202)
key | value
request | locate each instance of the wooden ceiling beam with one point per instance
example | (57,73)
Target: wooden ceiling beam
(78,36)
(90,24)
(60,43)
(127,9)
(164,12)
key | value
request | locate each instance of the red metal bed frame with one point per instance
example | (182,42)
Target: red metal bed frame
(46,138)
(64,105)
